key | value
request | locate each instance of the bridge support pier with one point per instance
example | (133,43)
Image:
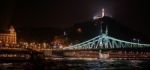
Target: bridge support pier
(103,55)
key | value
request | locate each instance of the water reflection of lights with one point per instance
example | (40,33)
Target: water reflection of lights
(15,55)
(88,59)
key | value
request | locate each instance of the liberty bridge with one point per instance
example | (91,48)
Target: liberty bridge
(102,46)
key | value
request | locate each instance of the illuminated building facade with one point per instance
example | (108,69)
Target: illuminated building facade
(8,37)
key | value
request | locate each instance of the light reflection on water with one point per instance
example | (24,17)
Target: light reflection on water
(79,65)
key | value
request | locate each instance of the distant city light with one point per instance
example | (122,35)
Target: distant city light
(64,33)
(79,30)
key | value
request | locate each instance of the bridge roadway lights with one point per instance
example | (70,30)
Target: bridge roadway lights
(19,54)
(85,53)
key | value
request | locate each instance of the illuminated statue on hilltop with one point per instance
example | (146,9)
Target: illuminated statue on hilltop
(103,12)
(101,15)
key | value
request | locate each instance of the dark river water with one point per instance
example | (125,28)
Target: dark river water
(79,65)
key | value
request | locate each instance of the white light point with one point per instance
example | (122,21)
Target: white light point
(103,12)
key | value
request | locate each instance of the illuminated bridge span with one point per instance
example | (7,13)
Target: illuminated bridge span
(104,41)
(107,47)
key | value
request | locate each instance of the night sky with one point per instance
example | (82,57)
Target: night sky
(66,13)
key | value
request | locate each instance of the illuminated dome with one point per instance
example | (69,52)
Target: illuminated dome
(12,29)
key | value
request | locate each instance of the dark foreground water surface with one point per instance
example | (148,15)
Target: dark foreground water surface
(79,65)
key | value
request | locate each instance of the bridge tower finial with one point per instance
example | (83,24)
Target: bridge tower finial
(106,30)
(103,12)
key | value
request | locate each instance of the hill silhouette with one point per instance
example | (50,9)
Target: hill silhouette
(83,31)
(93,28)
